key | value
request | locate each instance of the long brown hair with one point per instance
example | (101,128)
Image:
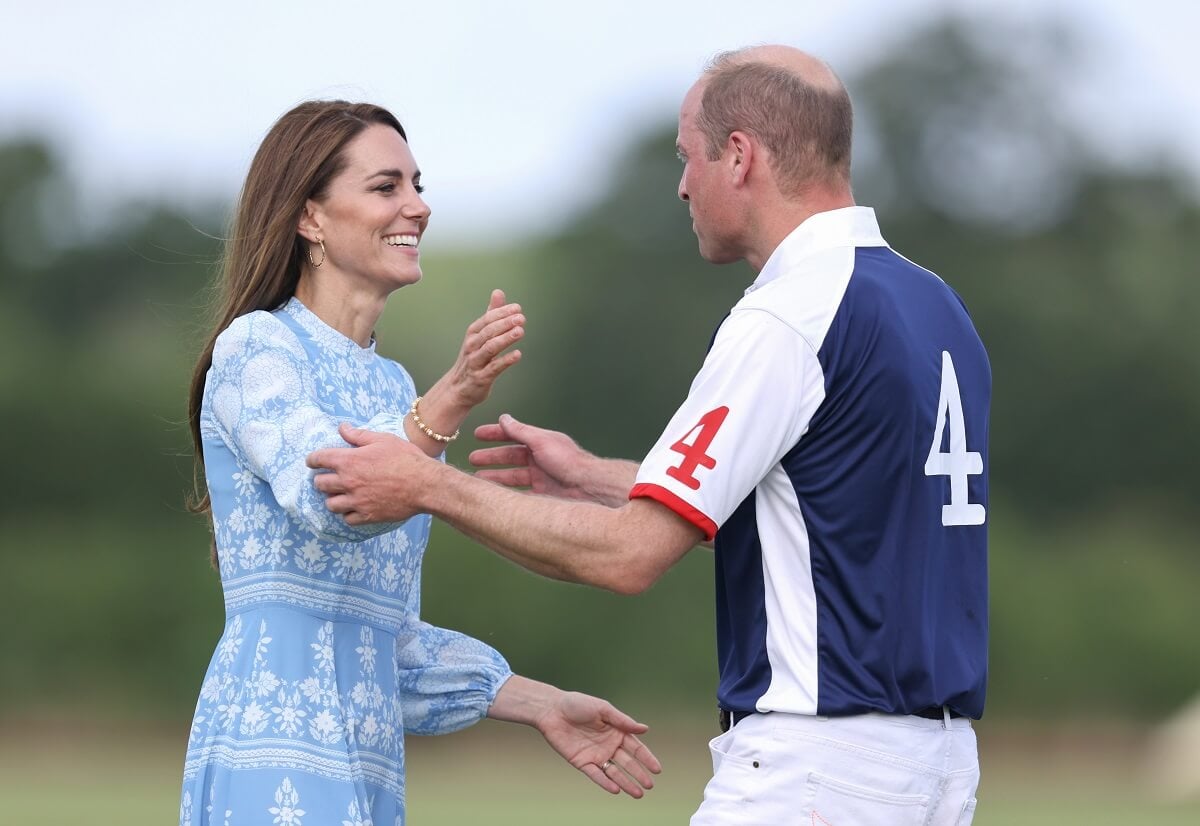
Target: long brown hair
(296,161)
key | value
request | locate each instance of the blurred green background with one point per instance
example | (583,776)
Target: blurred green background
(1080,272)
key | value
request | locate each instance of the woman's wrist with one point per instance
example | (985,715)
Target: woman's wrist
(414,411)
(525,701)
(436,417)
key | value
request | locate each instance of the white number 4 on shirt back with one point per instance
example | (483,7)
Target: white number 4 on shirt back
(958,463)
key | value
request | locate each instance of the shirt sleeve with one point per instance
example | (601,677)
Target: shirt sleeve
(264,404)
(748,406)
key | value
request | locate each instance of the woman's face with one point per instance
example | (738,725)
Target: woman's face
(372,217)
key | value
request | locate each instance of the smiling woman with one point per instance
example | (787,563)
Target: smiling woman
(324,663)
(373,217)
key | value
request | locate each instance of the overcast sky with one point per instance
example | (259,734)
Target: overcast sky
(515,110)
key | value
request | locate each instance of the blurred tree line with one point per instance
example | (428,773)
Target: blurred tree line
(1077,271)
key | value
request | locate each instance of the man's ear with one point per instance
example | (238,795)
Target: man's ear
(740,152)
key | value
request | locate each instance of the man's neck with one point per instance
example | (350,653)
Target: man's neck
(783,219)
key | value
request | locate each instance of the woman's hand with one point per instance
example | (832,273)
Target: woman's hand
(484,355)
(601,742)
(588,732)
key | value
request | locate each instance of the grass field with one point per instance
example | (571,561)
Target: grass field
(500,775)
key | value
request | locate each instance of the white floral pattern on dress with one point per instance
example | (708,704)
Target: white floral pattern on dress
(287,809)
(324,662)
(356,818)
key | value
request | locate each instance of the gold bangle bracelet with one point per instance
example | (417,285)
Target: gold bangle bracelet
(426,429)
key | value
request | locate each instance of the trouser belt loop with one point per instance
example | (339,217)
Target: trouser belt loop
(946,717)
(728,719)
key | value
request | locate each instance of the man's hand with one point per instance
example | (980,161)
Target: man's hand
(379,479)
(549,463)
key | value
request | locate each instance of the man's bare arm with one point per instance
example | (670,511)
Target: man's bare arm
(385,479)
(549,462)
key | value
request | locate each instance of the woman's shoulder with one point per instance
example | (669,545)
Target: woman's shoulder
(255,330)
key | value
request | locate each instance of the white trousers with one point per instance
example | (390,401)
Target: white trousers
(869,770)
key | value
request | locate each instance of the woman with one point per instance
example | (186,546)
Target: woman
(324,663)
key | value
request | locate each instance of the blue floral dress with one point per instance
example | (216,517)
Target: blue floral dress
(324,663)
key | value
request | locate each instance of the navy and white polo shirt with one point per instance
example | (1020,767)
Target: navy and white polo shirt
(835,443)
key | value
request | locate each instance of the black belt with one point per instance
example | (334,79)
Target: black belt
(728,719)
(936,713)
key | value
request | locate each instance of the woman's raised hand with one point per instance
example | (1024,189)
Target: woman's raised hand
(484,355)
(485,352)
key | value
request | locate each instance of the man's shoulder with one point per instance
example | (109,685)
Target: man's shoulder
(807,294)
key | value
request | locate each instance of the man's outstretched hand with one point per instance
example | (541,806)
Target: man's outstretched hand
(550,463)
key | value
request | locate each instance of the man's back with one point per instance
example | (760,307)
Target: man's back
(889,479)
(807,438)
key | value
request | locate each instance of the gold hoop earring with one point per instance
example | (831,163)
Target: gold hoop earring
(317,264)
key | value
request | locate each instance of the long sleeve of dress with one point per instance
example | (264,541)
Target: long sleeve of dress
(264,404)
(446,680)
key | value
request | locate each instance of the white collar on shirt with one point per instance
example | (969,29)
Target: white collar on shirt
(850,226)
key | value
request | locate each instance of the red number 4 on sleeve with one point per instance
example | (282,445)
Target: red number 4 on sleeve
(694,454)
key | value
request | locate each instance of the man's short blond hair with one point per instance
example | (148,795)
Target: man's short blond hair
(804,126)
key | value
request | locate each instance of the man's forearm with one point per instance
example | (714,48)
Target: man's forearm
(621,549)
(383,478)
(562,539)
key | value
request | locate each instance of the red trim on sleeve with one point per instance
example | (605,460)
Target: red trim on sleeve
(665,497)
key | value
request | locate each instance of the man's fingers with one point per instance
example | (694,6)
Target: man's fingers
(323,458)
(497,300)
(517,431)
(506,429)
(327,458)
(329,483)
(490,433)
(340,504)
(357,436)
(503,455)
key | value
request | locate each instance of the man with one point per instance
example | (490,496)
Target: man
(833,443)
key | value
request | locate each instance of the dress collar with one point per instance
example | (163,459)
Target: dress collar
(325,336)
